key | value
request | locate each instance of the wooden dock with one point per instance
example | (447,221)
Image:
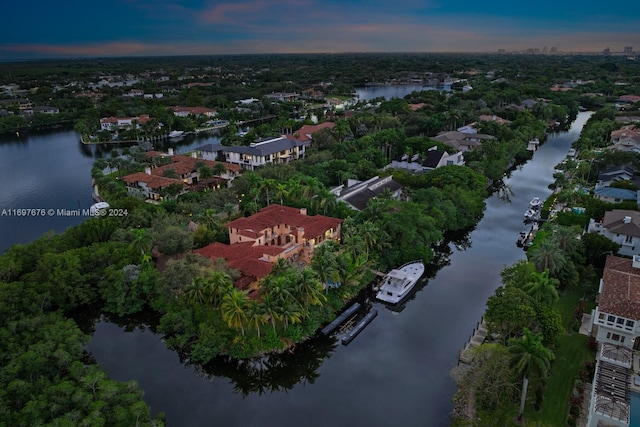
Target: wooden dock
(478,336)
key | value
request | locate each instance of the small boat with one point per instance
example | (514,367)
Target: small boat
(522,239)
(398,282)
(531,215)
(98,209)
(535,203)
(176,133)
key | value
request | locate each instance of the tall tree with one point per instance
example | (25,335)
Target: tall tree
(542,288)
(235,307)
(530,356)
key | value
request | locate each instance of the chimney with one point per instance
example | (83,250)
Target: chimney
(303,211)
(147,170)
(194,155)
(627,220)
(636,261)
(171,151)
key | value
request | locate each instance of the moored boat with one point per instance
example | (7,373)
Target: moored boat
(398,282)
(176,133)
(535,203)
(531,215)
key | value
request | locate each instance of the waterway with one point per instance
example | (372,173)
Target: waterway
(394,91)
(396,372)
(51,171)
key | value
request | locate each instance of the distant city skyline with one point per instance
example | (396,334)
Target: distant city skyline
(71,28)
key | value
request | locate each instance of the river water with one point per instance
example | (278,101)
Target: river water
(394,91)
(396,372)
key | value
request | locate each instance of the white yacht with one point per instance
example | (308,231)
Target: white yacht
(398,282)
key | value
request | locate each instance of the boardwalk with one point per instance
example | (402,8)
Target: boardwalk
(477,338)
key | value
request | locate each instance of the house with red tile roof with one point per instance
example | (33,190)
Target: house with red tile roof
(187,168)
(305,133)
(113,123)
(615,323)
(276,231)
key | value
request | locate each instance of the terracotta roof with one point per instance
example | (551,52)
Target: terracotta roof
(192,110)
(152,181)
(243,257)
(621,288)
(186,164)
(275,214)
(305,133)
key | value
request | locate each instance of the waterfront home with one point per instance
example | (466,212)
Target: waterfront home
(461,141)
(273,150)
(621,226)
(114,123)
(276,231)
(615,323)
(186,171)
(626,138)
(618,173)
(433,159)
(357,194)
(149,186)
(193,111)
(615,195)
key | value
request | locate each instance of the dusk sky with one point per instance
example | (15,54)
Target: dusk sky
(74,28)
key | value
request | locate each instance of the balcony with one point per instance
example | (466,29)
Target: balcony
(616,355)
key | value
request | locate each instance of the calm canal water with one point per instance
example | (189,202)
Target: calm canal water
(396,372)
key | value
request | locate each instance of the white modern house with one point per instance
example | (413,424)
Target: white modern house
(274,150)
(615,323)
(621,226)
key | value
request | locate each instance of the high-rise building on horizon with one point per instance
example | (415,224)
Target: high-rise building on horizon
(554,49)
(628,50)
(606,52)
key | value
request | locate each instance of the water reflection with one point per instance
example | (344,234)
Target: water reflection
(274,373)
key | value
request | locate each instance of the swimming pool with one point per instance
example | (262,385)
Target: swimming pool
(635,410)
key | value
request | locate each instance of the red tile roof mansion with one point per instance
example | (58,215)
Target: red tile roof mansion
(274,232)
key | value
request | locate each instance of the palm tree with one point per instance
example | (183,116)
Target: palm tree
(217,284)
(542,288)
(281,192)
(547,256)
(142,241)
(271,309)
(370,234)
(235,308)
(324,262)
(567,239)
(309,288)
(530,356)
(219,169)
(266,185)
(228,208)
(291,312)
(196,292)
(255,316)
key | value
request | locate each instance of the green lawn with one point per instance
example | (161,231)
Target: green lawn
(571,353)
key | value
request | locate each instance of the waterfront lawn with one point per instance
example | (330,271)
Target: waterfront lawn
(567,304)
(571,353)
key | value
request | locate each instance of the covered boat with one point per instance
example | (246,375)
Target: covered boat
(398,282)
